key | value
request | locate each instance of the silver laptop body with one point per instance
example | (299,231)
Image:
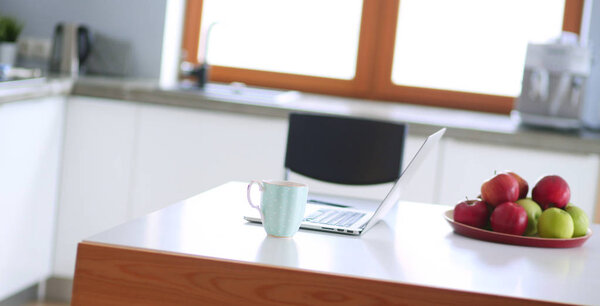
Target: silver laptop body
(336,214)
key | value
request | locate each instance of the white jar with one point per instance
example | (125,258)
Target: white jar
(8,53)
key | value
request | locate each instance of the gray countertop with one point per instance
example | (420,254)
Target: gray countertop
(462,125)
(34,88)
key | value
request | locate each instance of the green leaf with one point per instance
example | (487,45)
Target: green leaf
(10,29)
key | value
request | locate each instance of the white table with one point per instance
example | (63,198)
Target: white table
(412,255)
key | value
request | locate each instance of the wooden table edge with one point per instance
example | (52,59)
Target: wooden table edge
(107,274)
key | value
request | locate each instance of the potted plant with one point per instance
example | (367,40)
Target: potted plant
(10,29)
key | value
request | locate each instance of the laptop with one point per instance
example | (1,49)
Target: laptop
(331,216)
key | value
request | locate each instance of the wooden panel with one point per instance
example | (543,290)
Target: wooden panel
(572,16)
(436,97)
(369,44)
(285,80)
(596,217)
(191,32)
(108,275)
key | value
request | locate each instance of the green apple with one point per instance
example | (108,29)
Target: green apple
(580,220)
(555,223)
(533,213)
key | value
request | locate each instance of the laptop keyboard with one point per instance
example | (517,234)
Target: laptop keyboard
(334,217)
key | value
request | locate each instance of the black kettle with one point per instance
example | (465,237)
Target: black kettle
(71,48)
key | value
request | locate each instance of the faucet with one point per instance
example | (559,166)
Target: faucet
(200,72)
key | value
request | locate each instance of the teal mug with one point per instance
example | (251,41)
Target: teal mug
(281,207)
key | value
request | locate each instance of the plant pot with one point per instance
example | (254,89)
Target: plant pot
(8,53)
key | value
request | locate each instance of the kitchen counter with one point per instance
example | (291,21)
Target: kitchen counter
(34,88)
(464,125)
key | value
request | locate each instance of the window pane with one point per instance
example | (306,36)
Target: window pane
(470,45)
(308,37)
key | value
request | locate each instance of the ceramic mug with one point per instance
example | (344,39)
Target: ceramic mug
(281,206)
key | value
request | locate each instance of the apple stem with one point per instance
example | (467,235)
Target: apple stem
(495,172)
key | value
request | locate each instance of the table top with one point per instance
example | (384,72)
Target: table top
(412,245)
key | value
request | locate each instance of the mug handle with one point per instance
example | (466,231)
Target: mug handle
(261,187)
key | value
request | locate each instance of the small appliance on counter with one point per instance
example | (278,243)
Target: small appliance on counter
(70,50)
(554,83)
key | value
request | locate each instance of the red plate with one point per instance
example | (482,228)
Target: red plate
(486,235)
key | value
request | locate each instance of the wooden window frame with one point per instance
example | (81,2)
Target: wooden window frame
(374,64)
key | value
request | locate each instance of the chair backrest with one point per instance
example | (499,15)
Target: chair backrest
(345,150)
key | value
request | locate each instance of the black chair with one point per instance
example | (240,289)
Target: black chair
(344,150)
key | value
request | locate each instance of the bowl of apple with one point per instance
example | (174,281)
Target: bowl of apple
(504,213)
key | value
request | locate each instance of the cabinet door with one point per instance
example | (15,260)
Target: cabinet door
(467,165)
(31,135)
(96,174)
(182,152)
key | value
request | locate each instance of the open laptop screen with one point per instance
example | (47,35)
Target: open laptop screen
(409,172)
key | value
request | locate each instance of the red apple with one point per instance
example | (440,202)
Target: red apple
(499,189)
(472,212)
(509,218)
(523,186)
(551,191)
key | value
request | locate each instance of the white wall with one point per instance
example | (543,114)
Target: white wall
(138,24)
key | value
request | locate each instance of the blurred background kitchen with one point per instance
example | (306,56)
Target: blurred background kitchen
(112,109)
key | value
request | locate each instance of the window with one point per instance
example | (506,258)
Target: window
(284,36)
(462,53)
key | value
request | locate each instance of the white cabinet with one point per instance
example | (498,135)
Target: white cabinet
(31,133)
(466,165)
(96,175)
(182,152)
